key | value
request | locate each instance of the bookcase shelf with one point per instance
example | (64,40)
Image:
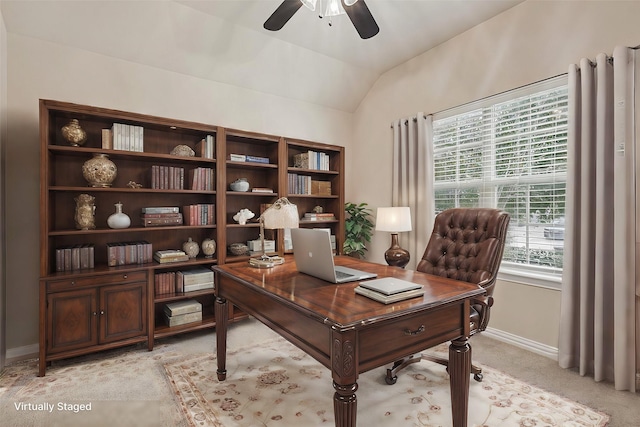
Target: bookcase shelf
(263,160)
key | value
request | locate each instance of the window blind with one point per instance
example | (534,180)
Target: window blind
(510,152)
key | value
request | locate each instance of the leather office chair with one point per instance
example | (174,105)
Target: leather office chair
(466,244)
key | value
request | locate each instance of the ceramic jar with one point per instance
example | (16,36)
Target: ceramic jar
(118,219)
(191,248)
(99,171)
(208,247)
(85,211)
(73,133)
(240,184)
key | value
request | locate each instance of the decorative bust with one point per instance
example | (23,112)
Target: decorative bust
(243,215)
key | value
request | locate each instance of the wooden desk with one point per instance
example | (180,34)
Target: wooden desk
(349,333)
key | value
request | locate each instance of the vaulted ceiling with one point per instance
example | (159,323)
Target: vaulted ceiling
(224,40)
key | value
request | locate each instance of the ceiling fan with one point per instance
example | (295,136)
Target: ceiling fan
(356,10)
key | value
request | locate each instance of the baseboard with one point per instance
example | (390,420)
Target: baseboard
(523,343)
(22,353)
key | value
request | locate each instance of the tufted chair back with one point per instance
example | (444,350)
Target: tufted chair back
(467,244)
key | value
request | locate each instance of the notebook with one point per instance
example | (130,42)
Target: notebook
(390,285)
(313,256)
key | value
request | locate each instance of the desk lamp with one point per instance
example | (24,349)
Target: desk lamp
(394,220)
(281,214)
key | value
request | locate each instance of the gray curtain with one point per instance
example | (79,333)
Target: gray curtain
(412,181)
(597,324)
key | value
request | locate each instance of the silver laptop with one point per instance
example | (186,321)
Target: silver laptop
(313,255)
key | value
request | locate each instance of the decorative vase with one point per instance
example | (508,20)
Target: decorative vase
(191,248)
(240,184)
(119,219)
(85,211)
(73,133)
(99,171)
(208,247)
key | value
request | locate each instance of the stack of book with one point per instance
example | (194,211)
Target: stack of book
(202,179)
(167,177)
(313,216)
(75,257)
(389,289)
(206,147)
(182,312)
(201,214)
(170,255)
(194,280)
(161,215)
(124,253)
(165,283)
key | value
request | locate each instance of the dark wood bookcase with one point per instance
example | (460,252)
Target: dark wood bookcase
(92,309)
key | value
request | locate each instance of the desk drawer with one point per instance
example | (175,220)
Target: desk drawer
(410,334)
(107,279)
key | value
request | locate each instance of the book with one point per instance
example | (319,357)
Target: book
(160,209)
(388,299)
(261,190)
(182,319)
(256,159)
(167,253)
(182,307)
(155,222)
(177,258)
(389,285)
(237,157)
(198,287)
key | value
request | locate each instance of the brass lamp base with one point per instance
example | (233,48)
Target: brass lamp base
(266,261)
(395,255)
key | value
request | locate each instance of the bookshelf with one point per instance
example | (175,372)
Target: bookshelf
(90,293)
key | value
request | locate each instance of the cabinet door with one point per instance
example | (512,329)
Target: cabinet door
(72,320)
(123,311)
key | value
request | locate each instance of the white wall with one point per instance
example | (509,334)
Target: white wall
(530,42)
(38,69)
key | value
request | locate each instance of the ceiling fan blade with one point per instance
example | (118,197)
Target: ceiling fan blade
(362,19)
(282,14)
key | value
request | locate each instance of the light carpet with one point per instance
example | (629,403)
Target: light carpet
(275,384)
(271,383)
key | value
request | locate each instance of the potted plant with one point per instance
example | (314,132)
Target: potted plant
(358,229)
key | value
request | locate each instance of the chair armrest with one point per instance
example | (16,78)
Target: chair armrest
(485,303)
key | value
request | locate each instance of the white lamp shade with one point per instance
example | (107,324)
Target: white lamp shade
(282,214)
(394,220)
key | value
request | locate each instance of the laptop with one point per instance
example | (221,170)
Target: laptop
(313,256)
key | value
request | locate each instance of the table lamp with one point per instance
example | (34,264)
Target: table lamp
(394,220)
(281,214)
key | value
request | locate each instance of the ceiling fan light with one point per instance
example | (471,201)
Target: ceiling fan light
(310,4)
(334,8)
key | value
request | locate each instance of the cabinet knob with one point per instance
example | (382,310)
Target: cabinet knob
(101,312)
(73,283)
(124,276)
(95,314)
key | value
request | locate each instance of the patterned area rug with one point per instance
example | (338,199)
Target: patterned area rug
(276,384)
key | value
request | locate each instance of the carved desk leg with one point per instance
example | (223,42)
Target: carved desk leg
(344,371)
(459,378)
(222,320)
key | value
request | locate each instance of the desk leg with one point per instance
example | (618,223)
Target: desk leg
(222,321)
(344,370)
(459,378)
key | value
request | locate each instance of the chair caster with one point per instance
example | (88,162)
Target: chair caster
(478,377)
(391,380)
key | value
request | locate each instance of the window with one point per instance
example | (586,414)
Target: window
(510,152)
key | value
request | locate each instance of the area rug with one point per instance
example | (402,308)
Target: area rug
(275,384)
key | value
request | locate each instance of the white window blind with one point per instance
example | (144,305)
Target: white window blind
(510,152)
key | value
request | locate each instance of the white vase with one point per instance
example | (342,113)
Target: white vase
(119,219)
